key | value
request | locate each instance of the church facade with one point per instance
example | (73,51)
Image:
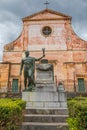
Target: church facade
(65,51)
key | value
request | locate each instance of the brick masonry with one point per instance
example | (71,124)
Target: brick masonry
(64,49)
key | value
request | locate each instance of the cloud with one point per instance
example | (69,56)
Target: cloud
(10,28)
(11,12)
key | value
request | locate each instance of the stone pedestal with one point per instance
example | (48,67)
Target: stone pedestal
(45,87)
(46,108)
(45,97)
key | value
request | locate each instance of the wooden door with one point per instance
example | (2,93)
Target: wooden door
(15,85)
(81,85)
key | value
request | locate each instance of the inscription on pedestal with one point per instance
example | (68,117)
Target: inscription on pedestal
(44,71)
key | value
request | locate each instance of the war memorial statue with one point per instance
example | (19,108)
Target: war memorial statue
(28,63)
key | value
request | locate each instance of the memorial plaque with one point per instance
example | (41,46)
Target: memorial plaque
(44,72)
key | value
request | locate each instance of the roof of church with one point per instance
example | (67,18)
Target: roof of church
(64,16)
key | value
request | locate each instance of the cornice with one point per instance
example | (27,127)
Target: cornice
(25,20)
(48,11)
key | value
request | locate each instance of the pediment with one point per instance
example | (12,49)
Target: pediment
(46,14)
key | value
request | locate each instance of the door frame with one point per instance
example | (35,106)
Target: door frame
(11,79)
(14,90)
(83,89)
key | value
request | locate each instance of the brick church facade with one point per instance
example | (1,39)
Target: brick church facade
(64,50)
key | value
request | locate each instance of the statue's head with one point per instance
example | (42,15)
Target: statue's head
(27,53)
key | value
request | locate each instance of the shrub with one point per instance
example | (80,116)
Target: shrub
(72,123)
(11,113)
(78,113)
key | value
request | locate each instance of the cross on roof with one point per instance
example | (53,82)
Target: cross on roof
(46,3)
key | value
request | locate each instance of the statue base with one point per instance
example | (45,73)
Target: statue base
(42,97)
(29,89)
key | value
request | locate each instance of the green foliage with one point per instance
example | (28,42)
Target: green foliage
(78,113)
(11,113)
(72,123)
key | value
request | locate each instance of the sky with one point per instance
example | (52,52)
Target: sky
(12,12)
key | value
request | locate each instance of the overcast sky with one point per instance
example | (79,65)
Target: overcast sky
(12,11)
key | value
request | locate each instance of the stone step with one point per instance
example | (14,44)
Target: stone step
(45,111)
(46,104)
(45,118)
(44,126)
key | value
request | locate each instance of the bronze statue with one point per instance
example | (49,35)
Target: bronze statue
(28,63)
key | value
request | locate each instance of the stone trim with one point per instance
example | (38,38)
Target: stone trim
(49,11)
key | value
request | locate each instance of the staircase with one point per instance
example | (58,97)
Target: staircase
(45,110)
(45,119)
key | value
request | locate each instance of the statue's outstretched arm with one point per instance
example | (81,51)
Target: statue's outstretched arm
(40,58)
(43,49)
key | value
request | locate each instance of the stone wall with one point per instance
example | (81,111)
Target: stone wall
(64,49)
(4,77)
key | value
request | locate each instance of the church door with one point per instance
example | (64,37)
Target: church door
(15,85)
(81,86)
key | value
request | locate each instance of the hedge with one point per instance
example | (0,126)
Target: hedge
(11,113)
(77,113)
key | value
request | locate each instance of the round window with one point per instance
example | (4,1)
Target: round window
(46,30)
